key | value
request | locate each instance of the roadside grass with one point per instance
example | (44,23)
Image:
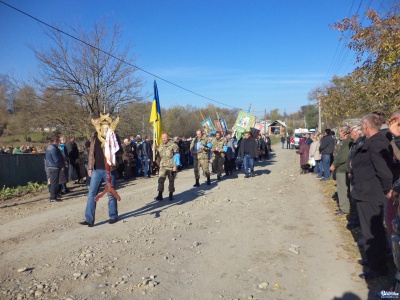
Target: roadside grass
(36,137)
(352,251)
(31,187)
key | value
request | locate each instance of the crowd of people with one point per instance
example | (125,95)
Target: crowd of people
(24,149)
(365,162)
(137,158)
(224,153)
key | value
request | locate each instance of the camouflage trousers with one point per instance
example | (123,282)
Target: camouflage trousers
(218,164)
(201,163)
(163,174)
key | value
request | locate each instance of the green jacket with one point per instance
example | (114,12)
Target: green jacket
(340,162)
(166,153)
(218,146)
(203,154)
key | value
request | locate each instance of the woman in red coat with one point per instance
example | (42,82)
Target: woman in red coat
(304,152)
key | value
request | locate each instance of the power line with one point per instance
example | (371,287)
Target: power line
(113,56)
(335,59)
(338,62)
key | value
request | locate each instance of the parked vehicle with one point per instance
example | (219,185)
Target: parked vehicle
(298,134)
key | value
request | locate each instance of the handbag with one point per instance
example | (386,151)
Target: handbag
(311,162)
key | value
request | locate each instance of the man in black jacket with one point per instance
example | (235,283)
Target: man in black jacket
(326,148)
(372,185)
(73,156)
(248,151)
(147,153)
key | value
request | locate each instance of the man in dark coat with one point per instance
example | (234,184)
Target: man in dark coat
(248,152)
(372,185)
(147,156)
(326,148)
(55,164)
(73,156)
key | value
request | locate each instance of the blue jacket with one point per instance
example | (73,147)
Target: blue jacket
(54,158)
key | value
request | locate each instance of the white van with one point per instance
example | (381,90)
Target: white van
(298,134)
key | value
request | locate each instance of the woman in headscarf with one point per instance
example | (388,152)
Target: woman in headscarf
(304,152)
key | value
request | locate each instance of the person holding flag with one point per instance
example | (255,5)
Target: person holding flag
(166,151)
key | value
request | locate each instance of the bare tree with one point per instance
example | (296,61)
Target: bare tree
(134,119)
(95,69)
(8,93)
(26,114)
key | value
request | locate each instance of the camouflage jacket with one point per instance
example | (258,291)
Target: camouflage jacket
(203,154)
(166,153)
(218,145)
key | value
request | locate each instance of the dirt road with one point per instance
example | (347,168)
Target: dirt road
(267,237)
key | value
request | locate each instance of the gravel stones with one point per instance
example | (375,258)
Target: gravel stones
(149,281)
(294,249)
(20,270)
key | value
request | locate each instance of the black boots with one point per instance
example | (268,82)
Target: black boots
(171,196)
(208,180)
(197,183)
(159,197)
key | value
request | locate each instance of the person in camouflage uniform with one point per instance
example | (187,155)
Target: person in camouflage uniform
(219,156)
(165,153)
(200,157)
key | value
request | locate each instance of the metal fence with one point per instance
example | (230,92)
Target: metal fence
(19,169)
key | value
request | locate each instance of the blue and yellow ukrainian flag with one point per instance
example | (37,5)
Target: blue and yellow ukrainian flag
(155,116)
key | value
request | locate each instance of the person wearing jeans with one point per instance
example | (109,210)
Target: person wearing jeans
(55,164)
(97,176)
(248,163)
(97,171)
(326,147)
(248,151)
(325,163)
(147,155)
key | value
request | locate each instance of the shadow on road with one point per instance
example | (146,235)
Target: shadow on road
(156,207)
(348,296)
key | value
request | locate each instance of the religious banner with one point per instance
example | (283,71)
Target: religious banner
(243,123)
(223,125)
(256,129)
(208,126)
(220,126)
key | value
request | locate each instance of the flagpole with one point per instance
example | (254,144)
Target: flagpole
(154,141)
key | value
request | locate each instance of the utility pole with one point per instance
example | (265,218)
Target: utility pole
(319,111)
(265,121)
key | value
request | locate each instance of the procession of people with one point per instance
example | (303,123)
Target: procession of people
(364,161)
